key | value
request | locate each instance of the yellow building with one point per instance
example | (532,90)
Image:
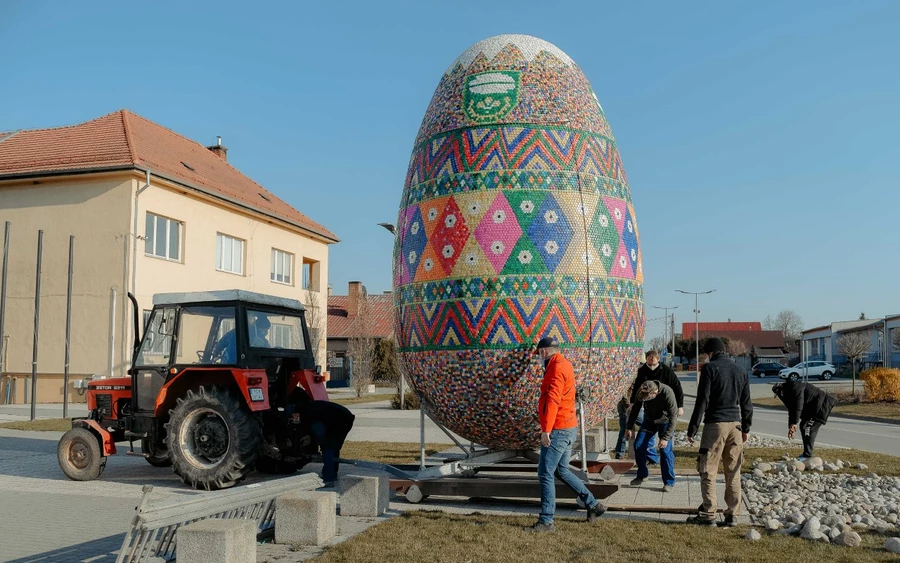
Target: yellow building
(151,212)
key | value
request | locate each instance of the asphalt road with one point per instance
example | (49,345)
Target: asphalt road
(840,432)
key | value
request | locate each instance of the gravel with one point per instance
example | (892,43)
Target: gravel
(789,499)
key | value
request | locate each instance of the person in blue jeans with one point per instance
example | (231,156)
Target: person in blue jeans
(660,416)
(558,422)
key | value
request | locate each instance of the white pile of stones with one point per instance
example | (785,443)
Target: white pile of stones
(796,497)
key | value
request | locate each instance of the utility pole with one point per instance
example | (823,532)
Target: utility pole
(696,295)
(666,328)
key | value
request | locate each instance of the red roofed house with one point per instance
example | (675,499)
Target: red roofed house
(152,212)
(767,345)
(353,315)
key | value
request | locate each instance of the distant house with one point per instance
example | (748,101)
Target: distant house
(821,343)
(762,345)
(355,315)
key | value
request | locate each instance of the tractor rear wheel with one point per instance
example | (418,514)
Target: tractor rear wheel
(213,439)
(157,454)
(79,456)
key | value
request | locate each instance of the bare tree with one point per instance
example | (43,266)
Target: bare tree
(789,323)
(737,348)
(854,345)
(895,338)
(315,321)
(657,343)
(361,348)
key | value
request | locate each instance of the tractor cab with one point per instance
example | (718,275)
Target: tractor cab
(214,385)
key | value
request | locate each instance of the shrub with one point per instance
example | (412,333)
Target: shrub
(882,384)
(411,403)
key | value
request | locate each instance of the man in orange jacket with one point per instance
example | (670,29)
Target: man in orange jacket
(556,413)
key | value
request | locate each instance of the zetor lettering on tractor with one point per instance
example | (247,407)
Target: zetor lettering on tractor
(213,391)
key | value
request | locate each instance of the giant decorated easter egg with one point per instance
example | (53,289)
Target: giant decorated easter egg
(515,223)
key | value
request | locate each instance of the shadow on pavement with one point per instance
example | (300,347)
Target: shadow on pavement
(96,551)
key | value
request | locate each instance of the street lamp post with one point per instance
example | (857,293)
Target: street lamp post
(696,295)
(666,329)
(390,228)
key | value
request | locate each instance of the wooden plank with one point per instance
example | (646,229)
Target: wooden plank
(496,487)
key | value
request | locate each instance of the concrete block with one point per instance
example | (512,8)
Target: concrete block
(593,440)
(217,541)
(364,496)
(306,518)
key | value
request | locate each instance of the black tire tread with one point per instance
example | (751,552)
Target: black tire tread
(238,462)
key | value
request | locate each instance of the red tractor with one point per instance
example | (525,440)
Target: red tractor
(214,389)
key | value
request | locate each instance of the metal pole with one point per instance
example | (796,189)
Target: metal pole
(583,439)
(421,436)
(402,391)
(68,327)
(3,294)
(37,321)
(697,334)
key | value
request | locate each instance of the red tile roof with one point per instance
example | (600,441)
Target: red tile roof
(341,324)
(758,338)
(123,140)
(687,329)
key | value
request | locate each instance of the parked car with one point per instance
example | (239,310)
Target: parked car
(822,370)
(763,369)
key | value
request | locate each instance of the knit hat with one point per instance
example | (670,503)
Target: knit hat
(713,345)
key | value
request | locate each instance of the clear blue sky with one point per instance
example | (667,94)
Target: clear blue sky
(760,139)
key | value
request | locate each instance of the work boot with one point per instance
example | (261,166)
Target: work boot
(729,522)
(541,527)
(636,482)
(667,488)
(596,511)
(701,521)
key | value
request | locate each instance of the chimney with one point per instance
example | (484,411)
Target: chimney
(219,150)
(330,290)
(355,294)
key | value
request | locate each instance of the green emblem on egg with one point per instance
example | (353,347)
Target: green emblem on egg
(489,96)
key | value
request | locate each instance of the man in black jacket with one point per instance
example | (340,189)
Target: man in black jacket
(723,401)
(652,370)
(808,405)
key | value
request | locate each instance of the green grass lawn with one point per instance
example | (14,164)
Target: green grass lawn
(440,537)
(887,411)
(40,425)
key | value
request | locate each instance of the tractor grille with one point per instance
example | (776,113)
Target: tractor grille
(104,405)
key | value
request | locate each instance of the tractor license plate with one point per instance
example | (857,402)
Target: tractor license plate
(256,394)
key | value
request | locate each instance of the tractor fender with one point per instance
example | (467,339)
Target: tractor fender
(253,385)
(107,444)
(311,382)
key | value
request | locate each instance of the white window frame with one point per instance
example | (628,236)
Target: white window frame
(284,260)
(280,336)
(151,236)
(236,252)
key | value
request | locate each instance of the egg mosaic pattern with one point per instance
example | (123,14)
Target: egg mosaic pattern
(516,222)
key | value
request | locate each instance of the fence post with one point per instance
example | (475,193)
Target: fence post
(37,321)
(68,327)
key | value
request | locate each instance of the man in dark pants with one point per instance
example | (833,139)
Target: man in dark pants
(660,415)
(723,402)
(808,405)
(327,424)
(556,416)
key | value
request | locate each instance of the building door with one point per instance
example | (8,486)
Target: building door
(339,369)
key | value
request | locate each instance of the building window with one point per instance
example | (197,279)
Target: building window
(282,267)
(281,336)
(310,274)
(229,254)
(162,237)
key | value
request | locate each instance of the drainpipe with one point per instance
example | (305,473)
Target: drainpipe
(134,246)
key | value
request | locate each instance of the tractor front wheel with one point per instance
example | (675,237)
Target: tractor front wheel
(213,439)
(79,455)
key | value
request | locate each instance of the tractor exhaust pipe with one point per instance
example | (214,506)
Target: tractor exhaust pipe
(137,334)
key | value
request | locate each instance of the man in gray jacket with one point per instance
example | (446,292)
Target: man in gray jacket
(660,414)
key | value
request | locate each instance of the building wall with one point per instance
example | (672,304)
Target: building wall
(95,211)
(196,270)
